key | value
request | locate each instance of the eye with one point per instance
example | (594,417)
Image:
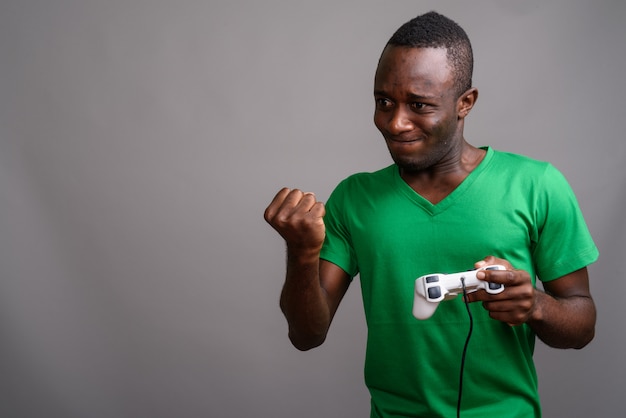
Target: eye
(383,103)
(418,105)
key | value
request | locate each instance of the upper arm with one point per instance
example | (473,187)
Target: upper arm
(575,284)
(565,315)
(335,282)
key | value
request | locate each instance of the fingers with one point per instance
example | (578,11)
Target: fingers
(487,274)
(275,204)
(288,202)
(490,260)
(298,217)
(317,211)
(506,277)
(512,311)
(513,305)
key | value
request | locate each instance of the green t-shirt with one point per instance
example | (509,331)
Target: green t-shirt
(511,207)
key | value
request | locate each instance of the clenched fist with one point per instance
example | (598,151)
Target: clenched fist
(299,218)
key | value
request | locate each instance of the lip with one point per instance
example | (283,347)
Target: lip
(404,141)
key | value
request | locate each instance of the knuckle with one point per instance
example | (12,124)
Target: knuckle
(320,209)
(510,275)
(307,199)
(296,193)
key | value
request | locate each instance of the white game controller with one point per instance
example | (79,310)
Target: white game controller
(433,288)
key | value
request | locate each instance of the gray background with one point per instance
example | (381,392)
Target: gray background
(140,142)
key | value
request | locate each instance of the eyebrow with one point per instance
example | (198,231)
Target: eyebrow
(422,97)
(411,96)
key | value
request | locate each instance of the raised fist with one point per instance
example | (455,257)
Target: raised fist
(299,218)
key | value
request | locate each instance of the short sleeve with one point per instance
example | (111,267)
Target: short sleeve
(338,248)
(564,242)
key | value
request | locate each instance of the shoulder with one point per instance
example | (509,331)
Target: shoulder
(363,189)
(358,182)
(511,166)
(518,161)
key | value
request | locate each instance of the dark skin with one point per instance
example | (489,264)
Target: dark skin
(421,117)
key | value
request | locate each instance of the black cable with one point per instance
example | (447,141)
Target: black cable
(469,335)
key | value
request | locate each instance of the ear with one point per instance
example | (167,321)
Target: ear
(466,102)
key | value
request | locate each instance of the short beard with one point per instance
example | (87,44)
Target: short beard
(416,166)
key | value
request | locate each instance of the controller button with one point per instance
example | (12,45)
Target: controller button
(432,279)
(494,286)
(434,292)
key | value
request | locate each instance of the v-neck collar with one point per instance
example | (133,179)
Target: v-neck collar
(445,203)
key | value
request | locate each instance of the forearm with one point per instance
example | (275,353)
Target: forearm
(563,322)
(304,301)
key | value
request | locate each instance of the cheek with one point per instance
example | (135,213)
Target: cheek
(442,127)
(379,121)
(437,126)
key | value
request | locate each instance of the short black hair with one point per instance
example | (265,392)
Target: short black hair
(433,30)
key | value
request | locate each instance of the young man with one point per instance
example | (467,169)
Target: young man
(443,206)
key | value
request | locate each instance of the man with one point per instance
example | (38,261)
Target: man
(443,206)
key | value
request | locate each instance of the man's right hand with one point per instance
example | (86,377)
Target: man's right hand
(299,218)
(313,287)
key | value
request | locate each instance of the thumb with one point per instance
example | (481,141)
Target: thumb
(318,210)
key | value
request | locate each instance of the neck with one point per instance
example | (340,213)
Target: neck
(437,182)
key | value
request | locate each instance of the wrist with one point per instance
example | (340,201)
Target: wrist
(303,255)
(537,315)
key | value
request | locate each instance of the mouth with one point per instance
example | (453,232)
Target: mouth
(406,138)
(404,141)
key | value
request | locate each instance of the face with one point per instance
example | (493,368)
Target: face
(417,110)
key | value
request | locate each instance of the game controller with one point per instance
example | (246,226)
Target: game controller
(433,288)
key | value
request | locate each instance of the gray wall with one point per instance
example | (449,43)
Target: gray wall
(140,142)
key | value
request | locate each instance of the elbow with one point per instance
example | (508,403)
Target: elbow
(583,342)
(306,333)
(589,331)
(308,342)
(575,342)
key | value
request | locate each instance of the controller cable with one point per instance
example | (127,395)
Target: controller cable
(469,335)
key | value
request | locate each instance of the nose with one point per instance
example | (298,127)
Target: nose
(400,122)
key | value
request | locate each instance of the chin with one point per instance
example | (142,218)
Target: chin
(424,159)
(411,165)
